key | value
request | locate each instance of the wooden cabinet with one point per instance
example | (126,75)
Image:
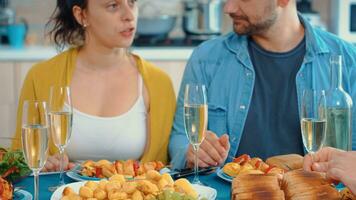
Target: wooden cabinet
(12,75)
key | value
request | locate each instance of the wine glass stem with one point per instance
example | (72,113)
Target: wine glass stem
(312,156)
(36,182)
(61,163)
(196,166)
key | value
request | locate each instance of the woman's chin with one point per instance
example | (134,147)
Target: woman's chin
(123,44)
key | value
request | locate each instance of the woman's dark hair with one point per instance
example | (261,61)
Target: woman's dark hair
(65,29)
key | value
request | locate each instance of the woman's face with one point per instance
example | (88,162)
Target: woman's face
(111,23)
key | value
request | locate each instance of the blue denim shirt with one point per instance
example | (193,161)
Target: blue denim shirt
(225,67)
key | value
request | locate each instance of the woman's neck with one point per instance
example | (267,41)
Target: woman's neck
(99,57)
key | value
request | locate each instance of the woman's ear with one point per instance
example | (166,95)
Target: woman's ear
(80,16)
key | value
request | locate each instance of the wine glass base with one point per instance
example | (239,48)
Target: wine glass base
(54,188)
(198,182)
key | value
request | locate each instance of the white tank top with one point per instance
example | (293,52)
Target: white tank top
(113,138)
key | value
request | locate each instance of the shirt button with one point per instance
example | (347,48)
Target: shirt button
(242,107)
(248,73)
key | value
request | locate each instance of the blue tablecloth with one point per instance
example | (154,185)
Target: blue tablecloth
(222,187)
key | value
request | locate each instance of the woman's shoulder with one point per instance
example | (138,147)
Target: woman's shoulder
(151,71)
(53,64)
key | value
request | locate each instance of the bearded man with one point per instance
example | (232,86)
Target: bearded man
(255,77)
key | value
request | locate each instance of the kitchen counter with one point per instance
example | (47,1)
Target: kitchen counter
(38,53)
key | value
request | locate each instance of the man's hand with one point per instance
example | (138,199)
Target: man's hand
(213,151)
(53,162)
(337,164)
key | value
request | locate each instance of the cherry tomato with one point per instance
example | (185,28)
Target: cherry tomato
(242,159)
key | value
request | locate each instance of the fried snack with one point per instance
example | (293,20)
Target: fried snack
(153,175)
(118,177)
(67,191)
(117,187)
(5,190)
(232,169)
(129,187)
(100,194)
(347,195)
(119,167)
(108,170)
(129,168)
(244,164)
(183,185)
(251,171)
(101,163)
(168,178)
(71,197)
(86,192)
(92,185)
(137,195)
(147,187)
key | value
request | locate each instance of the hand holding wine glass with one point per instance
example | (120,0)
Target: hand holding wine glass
(35,137)
(313,119)
(60,113)
(195,119)
(213,151)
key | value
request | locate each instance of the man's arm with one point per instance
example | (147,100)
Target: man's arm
(179,143)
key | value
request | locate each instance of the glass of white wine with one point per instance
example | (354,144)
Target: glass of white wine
(313,119)
(61,117)
(35,138)
(195,119)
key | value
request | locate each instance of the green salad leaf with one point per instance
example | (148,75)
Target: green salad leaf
(13,165)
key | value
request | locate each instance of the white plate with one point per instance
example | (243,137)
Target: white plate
(22,195)
(203,191)
(224,176)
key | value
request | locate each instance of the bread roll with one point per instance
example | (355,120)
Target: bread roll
(347,195)
(254,186)
(286,162)
(264,195)
(299,184)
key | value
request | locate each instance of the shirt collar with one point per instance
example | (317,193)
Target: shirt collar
(314,44)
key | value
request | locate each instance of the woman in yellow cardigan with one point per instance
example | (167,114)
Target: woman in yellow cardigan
(123,105)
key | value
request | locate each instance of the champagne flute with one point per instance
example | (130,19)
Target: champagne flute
(313,119)
(35,138)
(195,119)
(60,115)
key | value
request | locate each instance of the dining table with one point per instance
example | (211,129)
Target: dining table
(222,187)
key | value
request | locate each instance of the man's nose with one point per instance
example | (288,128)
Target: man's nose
(230,6)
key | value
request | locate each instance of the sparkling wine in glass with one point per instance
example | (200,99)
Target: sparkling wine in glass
(35,138)
(61,117)
(313,119)
(195,119)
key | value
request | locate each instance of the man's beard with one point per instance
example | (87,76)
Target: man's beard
(249,28)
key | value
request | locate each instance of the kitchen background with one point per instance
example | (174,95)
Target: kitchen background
(37,13)
(14,63)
